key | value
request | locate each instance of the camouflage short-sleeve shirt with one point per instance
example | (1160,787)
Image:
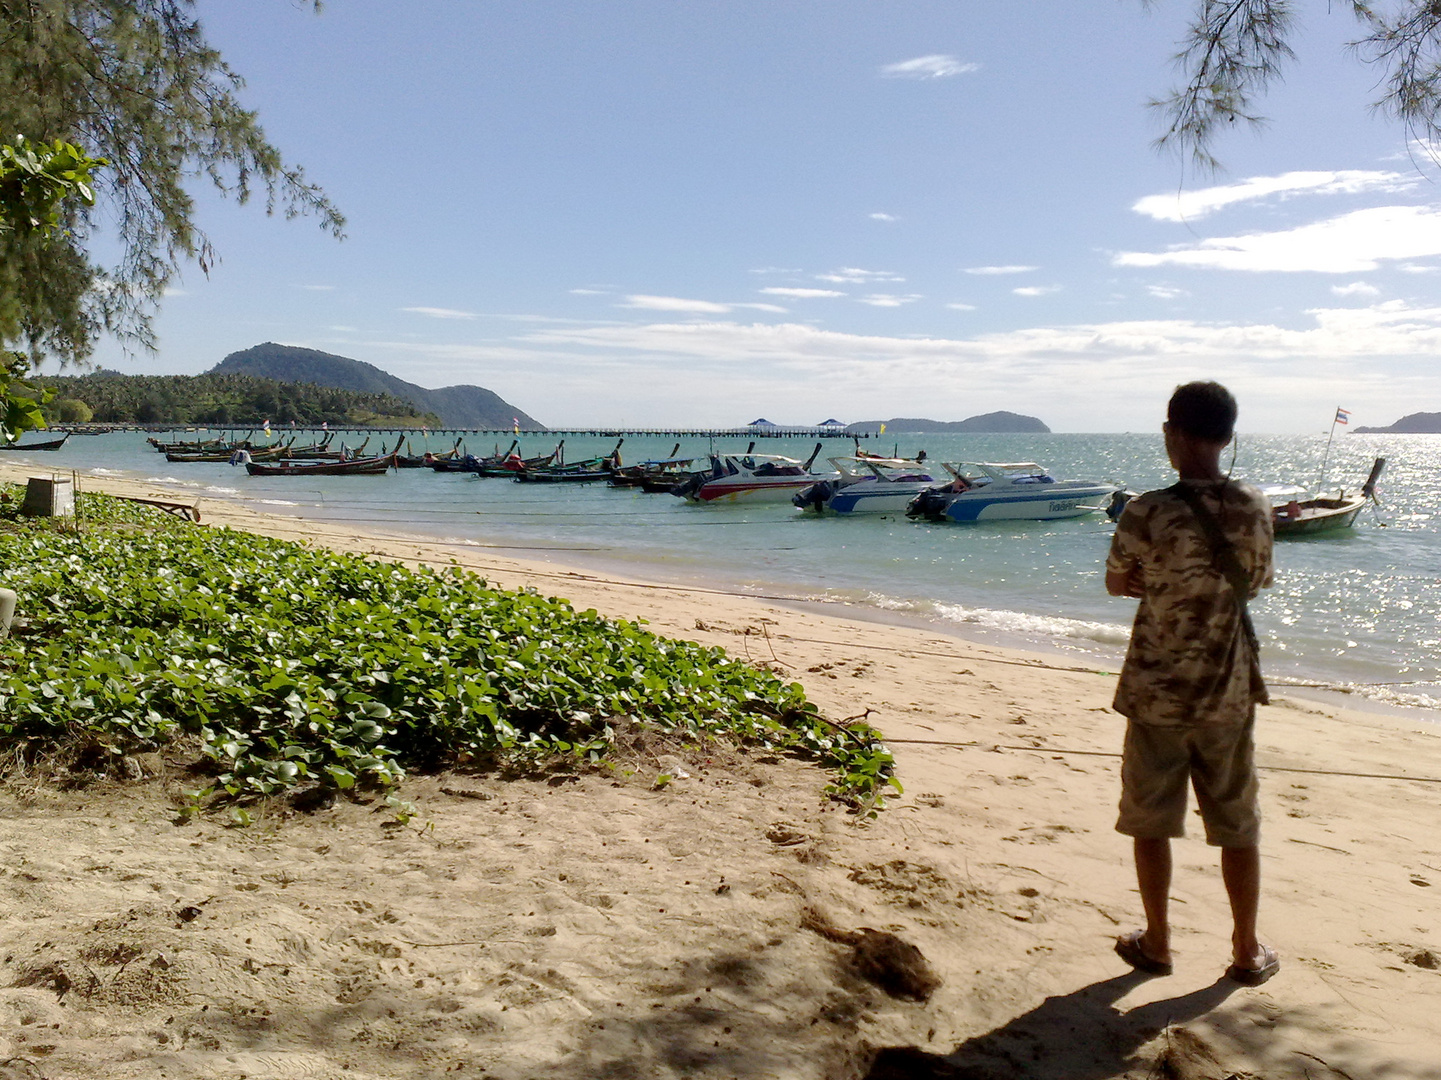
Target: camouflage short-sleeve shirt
(1189,661)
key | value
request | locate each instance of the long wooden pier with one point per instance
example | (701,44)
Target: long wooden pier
(598,432)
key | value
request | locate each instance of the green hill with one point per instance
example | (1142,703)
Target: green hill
(221,400)
(457,406)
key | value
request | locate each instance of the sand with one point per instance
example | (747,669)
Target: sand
(588,924)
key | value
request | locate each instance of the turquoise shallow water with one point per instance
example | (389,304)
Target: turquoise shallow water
(1359,611)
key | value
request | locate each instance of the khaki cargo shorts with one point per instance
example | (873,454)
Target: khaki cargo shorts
(1219,762)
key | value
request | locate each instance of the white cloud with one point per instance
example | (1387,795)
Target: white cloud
(441,313)
(801,294)
(173,290)
(1389,329)
(1089,376)
(994,271)
(958,306)
(1161,292)
(1350,244)
(1036,290)
(935,66)
(699,307)
(1194,205)
(775,270)
(675,303)
(851,275)
(884,217)
(888,299)
(587,292)
(318,288)
(1356,288)
(1416,268)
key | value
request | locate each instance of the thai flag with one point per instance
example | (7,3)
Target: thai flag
(515,424)
(1343,416)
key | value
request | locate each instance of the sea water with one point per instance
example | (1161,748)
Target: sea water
(1357,610)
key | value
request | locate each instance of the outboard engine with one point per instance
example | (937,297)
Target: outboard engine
(816,496)
(930,503)
(1118,502)
(687,488)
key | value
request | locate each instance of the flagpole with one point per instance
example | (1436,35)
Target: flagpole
(1326,456)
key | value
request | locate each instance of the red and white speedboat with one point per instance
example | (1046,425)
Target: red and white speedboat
(750,478)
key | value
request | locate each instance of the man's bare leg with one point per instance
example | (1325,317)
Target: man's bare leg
(1241,870)
(1153,876)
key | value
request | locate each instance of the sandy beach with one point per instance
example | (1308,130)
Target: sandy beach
(588,924)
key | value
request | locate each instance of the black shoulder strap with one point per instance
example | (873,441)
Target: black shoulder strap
(1223,553)
(1222,550)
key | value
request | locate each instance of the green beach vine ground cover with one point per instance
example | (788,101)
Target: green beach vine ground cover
(295,666)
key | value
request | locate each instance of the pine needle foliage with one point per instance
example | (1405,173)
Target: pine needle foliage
(1233,50)
(136,83)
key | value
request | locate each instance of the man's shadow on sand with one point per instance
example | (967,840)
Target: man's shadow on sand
(1075,1036)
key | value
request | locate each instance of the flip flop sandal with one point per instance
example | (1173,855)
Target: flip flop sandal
(1128,948)
(1255,976)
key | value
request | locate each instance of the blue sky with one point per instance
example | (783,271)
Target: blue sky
(703,211)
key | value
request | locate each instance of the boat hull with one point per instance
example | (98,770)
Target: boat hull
(356,467)
(753,490)
(1319,516)
(865,497)
(527,476)
(54,444)
(1056,503)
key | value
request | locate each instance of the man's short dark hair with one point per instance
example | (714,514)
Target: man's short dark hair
(1203,410)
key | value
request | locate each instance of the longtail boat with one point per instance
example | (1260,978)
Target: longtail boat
(1306,517)
(371,466)
(202,445)
(590,470)
(322,452)
(53,444)
(257,453)
(426,460)
(498,464)
(667,468)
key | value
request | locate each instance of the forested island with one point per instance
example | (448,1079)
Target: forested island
(279,383)
(992,423)
(219,400)
(1421,423)
(462,406)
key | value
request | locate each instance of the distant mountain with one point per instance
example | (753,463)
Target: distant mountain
(222,399)
(1419,423)
(457,406)
(995,423)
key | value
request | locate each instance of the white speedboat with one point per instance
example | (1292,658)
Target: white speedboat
(867,485)
(1018,490)
(749,478)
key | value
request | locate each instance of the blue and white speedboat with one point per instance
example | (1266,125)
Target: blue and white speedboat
(867,485)
(997,491)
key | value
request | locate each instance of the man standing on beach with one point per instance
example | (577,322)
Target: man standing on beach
(1193,554)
